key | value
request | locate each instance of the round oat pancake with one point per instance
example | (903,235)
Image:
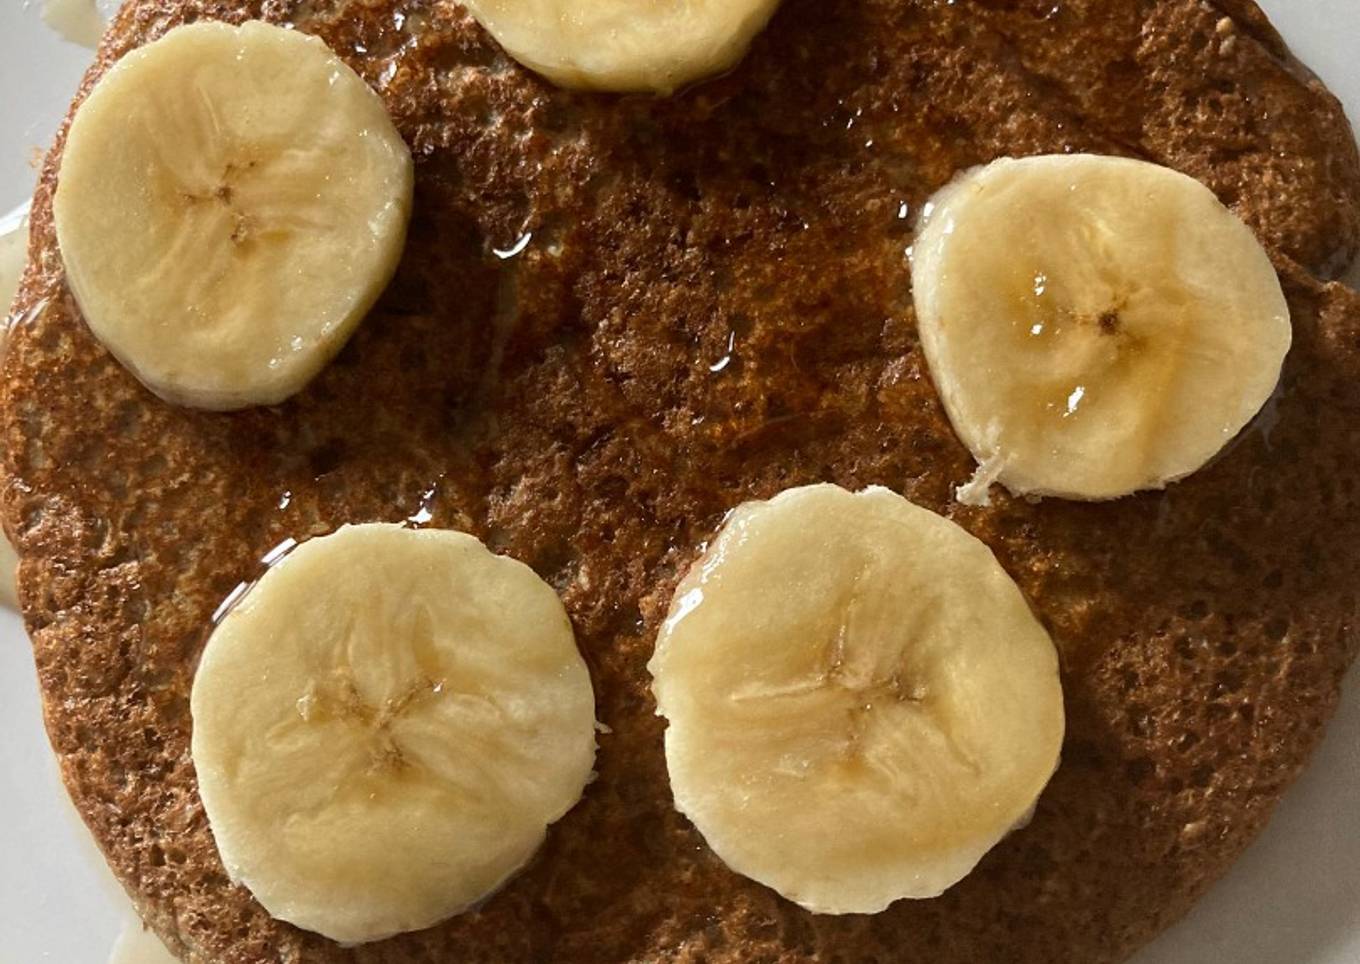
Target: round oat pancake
(618,317)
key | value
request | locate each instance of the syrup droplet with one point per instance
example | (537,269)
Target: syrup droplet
(274,555)
(226,605)
(424,513)
(1074,400)
(726,359)
(516,249)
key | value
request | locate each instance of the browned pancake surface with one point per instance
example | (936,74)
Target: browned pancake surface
(715,304)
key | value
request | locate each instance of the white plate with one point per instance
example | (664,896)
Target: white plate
(1294,898)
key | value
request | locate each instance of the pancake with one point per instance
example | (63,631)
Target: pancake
(713,304)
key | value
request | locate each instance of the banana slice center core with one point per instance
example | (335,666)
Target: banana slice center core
(339,698)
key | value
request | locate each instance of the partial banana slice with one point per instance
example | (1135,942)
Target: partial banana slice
(385,726)
(75,21)
(9,575)
(231,202)
(136,944)
(13,250)
(1094,325)
(860,703)
(624,45)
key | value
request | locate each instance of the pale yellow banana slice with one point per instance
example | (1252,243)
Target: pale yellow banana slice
(13,252)
(75,21)
(860,702)
(1094,325)
(9,573)
(138,945)
(231,202)
(624,45)
(384,727)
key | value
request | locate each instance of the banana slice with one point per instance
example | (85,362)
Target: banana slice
(13,251)
(136,944)
(860,703)
(9,575)
(384,727)
(624,45)
(75,21)
(1094,325)
(231,202)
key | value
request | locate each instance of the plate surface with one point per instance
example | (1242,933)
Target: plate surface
(1294,896)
